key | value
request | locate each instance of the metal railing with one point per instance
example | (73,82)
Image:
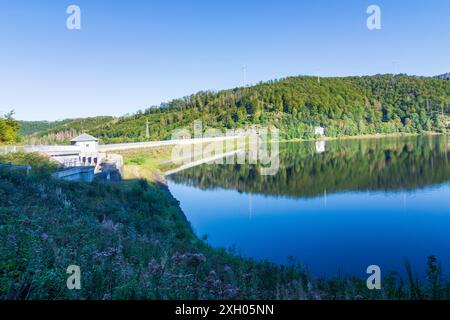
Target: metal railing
(13,166)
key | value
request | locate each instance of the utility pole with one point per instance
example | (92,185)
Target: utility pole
(244,74)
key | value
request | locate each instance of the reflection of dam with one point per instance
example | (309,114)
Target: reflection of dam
(200,162)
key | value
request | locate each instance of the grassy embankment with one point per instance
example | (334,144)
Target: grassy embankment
(147,164)
(132,241)
(151,163)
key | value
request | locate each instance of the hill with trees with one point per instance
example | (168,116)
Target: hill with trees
(344,106)
(30,127)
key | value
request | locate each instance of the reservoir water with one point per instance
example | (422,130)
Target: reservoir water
(334,207)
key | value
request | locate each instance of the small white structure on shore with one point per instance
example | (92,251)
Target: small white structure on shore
(319,131)
(86,142)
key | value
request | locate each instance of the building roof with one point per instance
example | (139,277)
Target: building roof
(84,138)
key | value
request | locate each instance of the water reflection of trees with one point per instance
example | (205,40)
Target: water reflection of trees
(377,164)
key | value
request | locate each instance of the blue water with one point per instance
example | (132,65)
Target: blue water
(341,231)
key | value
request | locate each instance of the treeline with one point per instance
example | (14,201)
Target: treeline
(62,131)
(296,105)
(9,129)
(31,127)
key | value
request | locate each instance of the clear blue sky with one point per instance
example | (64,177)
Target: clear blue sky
(130,55)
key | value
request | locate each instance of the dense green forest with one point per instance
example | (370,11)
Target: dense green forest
(351,165)
(30,127)
(344,106)
(132,241)
(63,130)
(9,129)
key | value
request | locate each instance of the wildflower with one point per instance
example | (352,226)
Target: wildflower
(195,259)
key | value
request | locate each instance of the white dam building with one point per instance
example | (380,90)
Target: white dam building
(86,143)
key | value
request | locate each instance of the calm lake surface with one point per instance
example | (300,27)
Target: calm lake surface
(354,204)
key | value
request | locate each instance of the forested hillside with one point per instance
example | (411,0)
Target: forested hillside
(31,127)
(344,106)
(60,131)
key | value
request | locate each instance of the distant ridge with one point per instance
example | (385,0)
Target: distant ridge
(445,76)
